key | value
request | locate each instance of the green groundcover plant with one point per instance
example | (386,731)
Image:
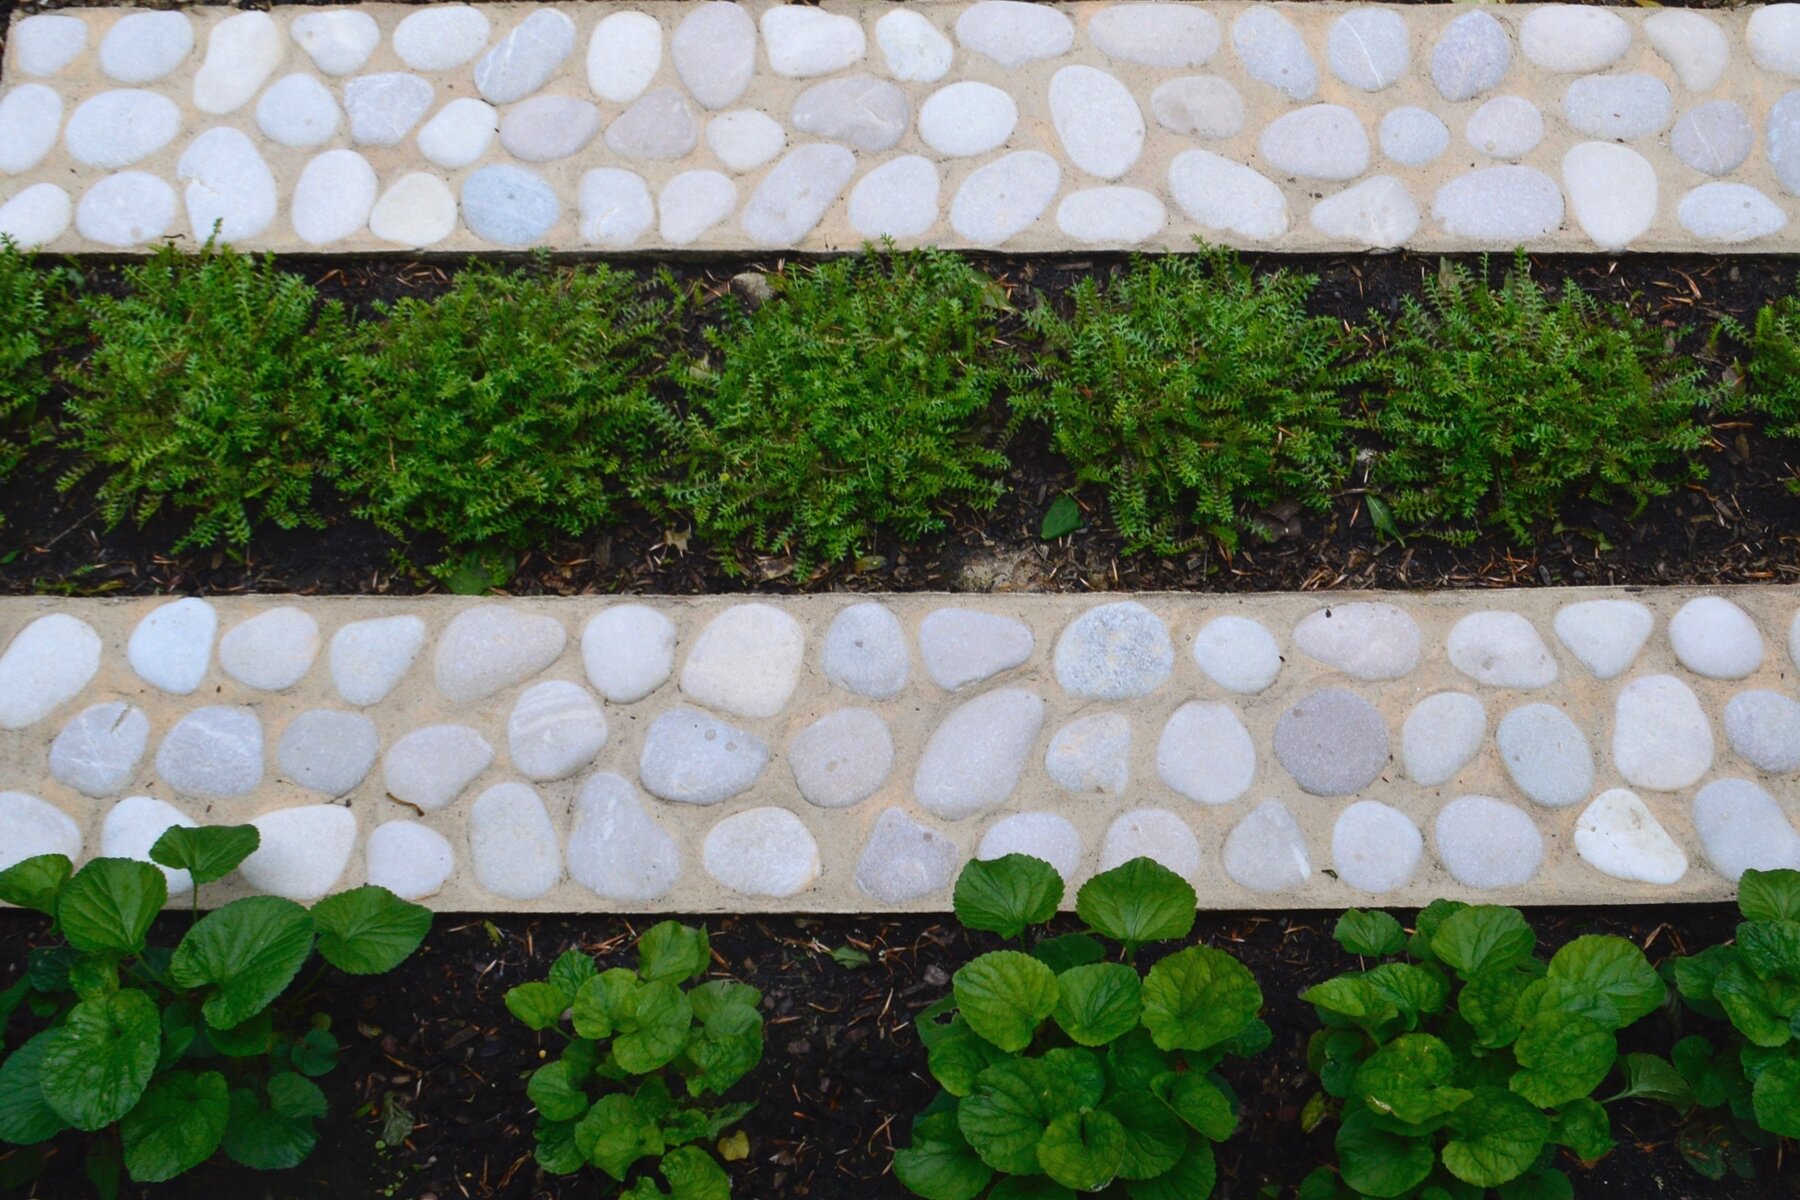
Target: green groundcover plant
(1467,1067)
(621,1095)
(1193,391)
(35,318)
(1065,1073)
(1773,371)
(166,1056)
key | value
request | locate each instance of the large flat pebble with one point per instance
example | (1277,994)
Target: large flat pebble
(1441,734)
(1206,754)
(489,648)
(1763,727)
(746,661)
(616,848)
(1661,737)
(1499,205)
(1332,741)
(1742,828)
(1042,835)
(1013,33)
(1097,120)
(1266,851)
(1115,651)
(623,54)
(1571,38)
(304,851)
(961,646)
(972,762)
(761,852)
(271,651)
(1488,843)
(714,52)
(368,659)
(1692,43)
(1368,48)
(1005,197)
(555,729)
(441,36)
(46,665)
(1227,196)
(628,651)
(870,114)
(802,42)
(898,199)
(692,758)
(1238,654)
(97,752)
(1715,638)
(141,47)
(1320,141)
(429,767)
(513,845)
(1091,755)
(47,42)
(215,751)
(1605,635)
(1273,52)
(1365,640)
(1619,836)
(241,53)
(171,647)
(865,652)
(914,49)
(1546,754)
(904,861)
(228,188)
(1375,847)
(327,750)
(34,827)
(792,198)
(842,758)
(1471,56)
(1153,833)
(1501,649)
(526,58)
(409,859)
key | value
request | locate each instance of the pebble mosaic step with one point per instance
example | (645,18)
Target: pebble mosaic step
(717,126)
(842,753)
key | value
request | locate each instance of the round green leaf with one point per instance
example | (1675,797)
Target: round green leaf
(1083,1150)
(1198,997)
(263,1139)
(1372,934)
(176,1126)
(207,852)
(36,882)
(1137,902)
(1408,1079)
(25,1118)
(1004,895)
(1378,1163)
(652,1027)
(1776,1097)
(1496,1137)
(673,951)
(1747,1001)
(248,951)
(1198,1101)
(540,1005)
(1014,1101)
(1583,1126)
(571,969)
(557,1097)
(1414,991)
(1098,1003)
(556,1150)
(693,1175)
(1191,1179)
(369,930)
(1155,1138)
(1769,895)
(98,1062)
(1614,968)
(109,904)
(1004,996)
(959,1057)
(1489,1002)
(1482,937)
(1562,1057)
(593,1009)
(295,1096)
(940,1164)
(1133,1061)
(615,1134)
(1068,950)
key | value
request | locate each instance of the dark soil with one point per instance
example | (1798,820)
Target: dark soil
(843,1070)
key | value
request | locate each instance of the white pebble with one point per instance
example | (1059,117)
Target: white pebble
(1238,654)
(298,111)
(628,651)
(1743,828)
(327,750)
(1487,843)
(972,762)
(745,139)
(512,843)
(1440,736)
(842,758)
(903,861)
(1715,638)
(333,197)
(429,767)
(1618,835)
(1365,640)
(271,651)
(134,825)
(622,55)
(1500,649)
(303,853)
(46,664)
(411,860)
(36,216)
(171,647)
(616,849)
(338,42)
(215,751)
(490,647)
(460,133)
(914,49)
(1013,33)
(1153,833)
(1091,754)
(762,852)
(33,828)
(1375,847)
(556,728)
(1606,635)
(864,651)
(746,661)
(417,210)
(690,757)
(98,750)
(1266,851)
(961,646)
(46,43)
(1661,737)
(369,658)
(441,36)
(1045,836)
(1206,754)
(144,46)
(616,209)
(241,53)
(1004,197)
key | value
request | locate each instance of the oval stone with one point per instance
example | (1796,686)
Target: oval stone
(903,861)
(1570,38)
(913,48)
(1764,728)
(1115,651)
(171,648)
(241,53)
(746,661)
(328,751)
(545,128)
(1368,48)
(368,659)
(714,52)
(1005,197)
(616,848)
(628,651)
(33,828)
(127,209)
(512,843)
(1714,137)
(1715,638)
(1661,737)
(490,647)
(46,665)
(1471,56)
(409,859)
(1042,835)
(1412,136)
(1619,107)
(967,117)
(868,113)
(745,139)
(36,216)
(418,210)
(616,209)
(1729,212)
(429,767)
(1219,194)
(509,206)
(1500,649)
(333,197)
(229,190)
(215,751)
(1743,828)
(118,128)
(1619,836)
(692,758)
(1691,43)
(1499,206)
(1199,105)
(793,196)
(1266,851)
(1611,190)
(761,852)
(898,199)
(441,36)
(841,759)
(1488,843)
(1153,833)
(134,825)
(972,762)
(1440,736)
(271,651)
(384,108)
(298,111)
(556,728)
(1238,654)
(1606,635)
(1111,215)
(1274,53)
(338,42)
(1374,847)
(623,54)
(1773,34)
(1505,127)
(303,853)
(1379,211)
(1206,754)
(1097,120)
(1546,754)
(692,203)
(1332,741)
(961,646)
(864,651)
(97,752)
(526,58)
(657,128)
(46,43)
(1156,35)
(1365,640)
(1013,33)
(1091,755)
(803,42)
(143,46)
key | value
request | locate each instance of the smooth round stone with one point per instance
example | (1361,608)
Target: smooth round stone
(616,209)
(1691,43)
(133,826)
(411,860)
(1198,105)
(1091,754)
(623,55)
(1773,34)
(47,664)
(657,128)
(271,651)
(714,52)
(1155,35)
(1606,635)
(961,646)
(1499,205)
(338,42)
(692,758)
(1500,649)
(36,216)
(368,659)
(1227,196)
(303,853)
(1546,754)
(1661,738)
(118,128)
(1153,833)
(440,37)
(1368,48)
(1471,56)
(904,861)
(418,210)
(1206,754)
(429,767)
(328,751)
(761,852)
(525,59)
(898,199)
(974,758)
(1714,137)
(868,113)
(1097,121)
(1379,211)
(1569,38)
(490,647)
(628,651)
(384,108)
(1266,852)
(1044,836)
(1783,134)
(1412,136)
(1013,33)
(616,849)
(913,48)
(1618,107)
(793,196)
(127,209)
(556,728)
(692,203)
(967,117)
(1715,638)
(460,133)
(33,828)
(801,42)
(1743,828)
(172,646)
(864,651)
(144,46)
(512,843)
(509,205)
(213,751)
(229,189)
(1488,843)
(1764,728)
(1332,741)
(298,111)
(1004,197)
(1618,835)
(1365,640)
(1375,848)
(1273,52)
(1505,127)
(46,43)
(746,661)
(97,751)
(1112,215)
(1729,212)
(745,139)
(241,53)
(1115,651)
(1440,736)
(545,128)
(30,118)
(333,198)
(842,758)
(1238,654)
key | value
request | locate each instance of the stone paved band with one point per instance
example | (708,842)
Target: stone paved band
(837,753)
(715,126)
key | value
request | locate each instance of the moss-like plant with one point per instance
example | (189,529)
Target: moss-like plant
(35,317)
(1773,370)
